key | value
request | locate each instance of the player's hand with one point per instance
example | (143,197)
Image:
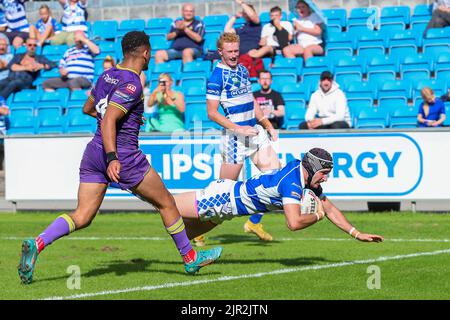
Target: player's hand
(273,134)
(114,170)
(247,131)
(365,237)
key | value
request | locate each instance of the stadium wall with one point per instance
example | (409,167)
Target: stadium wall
(403,166)
(145,9)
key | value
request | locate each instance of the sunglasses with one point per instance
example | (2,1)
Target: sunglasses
(31,45)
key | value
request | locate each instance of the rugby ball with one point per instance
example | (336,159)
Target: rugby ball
(309,203)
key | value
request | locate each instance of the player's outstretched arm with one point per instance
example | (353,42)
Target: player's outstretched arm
(337,218)
(296,221)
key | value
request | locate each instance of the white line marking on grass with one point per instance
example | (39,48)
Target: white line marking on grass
(247,276)
(220,238)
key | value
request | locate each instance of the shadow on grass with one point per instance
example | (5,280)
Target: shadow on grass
(250,239)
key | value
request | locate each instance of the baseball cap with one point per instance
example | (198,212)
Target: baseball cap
(326,75)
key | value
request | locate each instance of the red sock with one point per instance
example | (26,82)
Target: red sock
(190,257)
(40,244)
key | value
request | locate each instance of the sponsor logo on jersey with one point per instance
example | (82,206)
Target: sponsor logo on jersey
(109,79)
(131,88)
(239,92)
(122,95)
(213,92)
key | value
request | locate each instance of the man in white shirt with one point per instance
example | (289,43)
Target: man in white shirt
(275,35)
(328,107)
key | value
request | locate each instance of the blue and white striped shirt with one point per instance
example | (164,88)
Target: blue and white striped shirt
(269,190)
(74,19)
(15,15)
(232,87)
(78,62)
(41,25)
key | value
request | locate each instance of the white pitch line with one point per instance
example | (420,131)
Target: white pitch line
(247,276)
(220,238)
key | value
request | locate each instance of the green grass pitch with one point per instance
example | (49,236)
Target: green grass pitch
(307,264)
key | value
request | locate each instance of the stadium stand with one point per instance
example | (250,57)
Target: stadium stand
(381,71)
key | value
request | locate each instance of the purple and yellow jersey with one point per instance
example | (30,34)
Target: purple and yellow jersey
(120,88)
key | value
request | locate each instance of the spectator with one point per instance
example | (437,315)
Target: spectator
(446,96)
(24,69)
(5,57)
(441,15)
(108,63)
(76,66)
(431,110)
(170,106)
(309,34)
(328,107)
(46,27)
(187,35)
(275,35)
(250,32)
(16,20)
(74,19)
(4,112)
(270,101)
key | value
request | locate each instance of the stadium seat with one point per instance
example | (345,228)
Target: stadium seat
(158,26)
(370,43)
(73,110)
(23,98)
(47,74)
(196,118)
(57,98)
(390,104)
(340,43)
(442,67)
(173,67)
(383,63)
(372,118)
(287,65)
(195,94)
(210,42)
(49,111)
(107,48)
(437,41)
(130,25)
(404,118)
(80,123)
(50,125)
(197,68)
(396,88)
(264,17)
(21,112)
(447,113)
(239,23)
(54,52)
(355,105)
(344,78)
(314,66)
(336,17)
(104,30)
(380,76)
(294,114)
(189,82)
(421,16)
(159,42)
(361,90)
(439,87)
(404,43)
(394,19)
(22,125)
(415,67)
(295,91)
(362,19)
(215,22)
(349,64)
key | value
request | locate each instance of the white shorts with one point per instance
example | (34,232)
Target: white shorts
(236,148)
(214,203)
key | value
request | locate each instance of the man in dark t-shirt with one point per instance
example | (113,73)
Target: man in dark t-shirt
(270,101)
(187,34)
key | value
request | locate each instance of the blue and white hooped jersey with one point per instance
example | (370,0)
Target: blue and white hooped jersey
(269,190)
(15,15)
(232,87)
(74,19)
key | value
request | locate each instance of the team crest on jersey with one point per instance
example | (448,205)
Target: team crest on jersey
(131,88)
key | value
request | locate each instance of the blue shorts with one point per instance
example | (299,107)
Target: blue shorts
(175,54)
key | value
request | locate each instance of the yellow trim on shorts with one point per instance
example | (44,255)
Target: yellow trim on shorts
(177,227)
(69,221)
(118,66)
(115,104)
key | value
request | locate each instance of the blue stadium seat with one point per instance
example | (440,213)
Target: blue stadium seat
(189,82)
(52,73)
(103,30)
(54,52)
(215,22)
(267,63)
(50,125)
(264,17)
(278,79)
(347,64)
(196,118)
(130,25)
(239,23)
(294,114)
(195,94)
(355,105)
(442,67)
(55,98)
(197,68)
(256,87)
(158,26)
(397,88)
(49,111)
(295,91)
(159,42)
(21,112)
(446,122)
(373,118)
(404,43)
(362,19)
(383,63)
(437,41)
(394,19)
(22,125)
(173,67)
(23,98)
(73,110)
(344,78)
(361,90)
(421,16)
(370,43)
(336,17)
(439,87)
(380,76)
(415,67)
(107,48)
(314,66)
(80,123)
(390,104)
(210,43)
(287,65)
(404,118)
(340,43)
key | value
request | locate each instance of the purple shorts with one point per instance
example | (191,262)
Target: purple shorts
(93,166)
